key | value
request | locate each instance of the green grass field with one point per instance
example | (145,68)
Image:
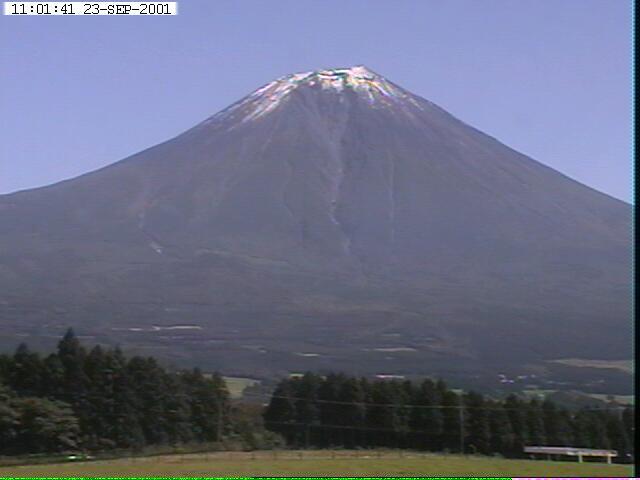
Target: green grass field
(237,384)
(622,365)
(622,399)
(319,463)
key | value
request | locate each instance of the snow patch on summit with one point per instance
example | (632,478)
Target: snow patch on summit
(373,87)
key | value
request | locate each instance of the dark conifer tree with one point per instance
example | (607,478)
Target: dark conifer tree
(618,439)
(208,405)
(535,423)
(384,416)
(516,410)
(6,365)
(148,380)
(597,430)
(9,419)
(426,418)
(26,374)
(478,436)
(329,394)
(178,411)
(351,412)
(75,383)
(53,377)
(502,438)
(126,430)
(98,428)
(218,386)
(44,426)
(280,414)
(306,406)
(556,422)
(580,429)
(452,430)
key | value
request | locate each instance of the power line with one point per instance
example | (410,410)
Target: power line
(399,405)
(346,427)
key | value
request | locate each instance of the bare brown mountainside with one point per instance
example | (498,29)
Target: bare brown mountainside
(330,219)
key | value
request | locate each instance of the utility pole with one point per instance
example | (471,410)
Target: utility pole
(219,421)
(461,417)
(306,437)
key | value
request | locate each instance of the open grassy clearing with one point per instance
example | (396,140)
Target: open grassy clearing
(622,399)
(236,385)
(320,463)
(622,365)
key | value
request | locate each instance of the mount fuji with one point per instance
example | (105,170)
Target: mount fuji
(329,220)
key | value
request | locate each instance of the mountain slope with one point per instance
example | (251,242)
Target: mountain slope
(326,220)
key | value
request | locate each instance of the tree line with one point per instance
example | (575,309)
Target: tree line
(99,399)
(342,411)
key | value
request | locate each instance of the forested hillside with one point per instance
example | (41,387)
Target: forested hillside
(99,399)
(338,410)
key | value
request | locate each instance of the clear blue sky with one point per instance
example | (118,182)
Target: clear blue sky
(550,78)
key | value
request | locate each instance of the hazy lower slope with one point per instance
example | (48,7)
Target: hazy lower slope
(326,220)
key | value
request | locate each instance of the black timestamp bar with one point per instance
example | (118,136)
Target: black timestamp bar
(90,8)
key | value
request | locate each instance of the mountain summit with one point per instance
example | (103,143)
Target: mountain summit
(375,89)
(330,219)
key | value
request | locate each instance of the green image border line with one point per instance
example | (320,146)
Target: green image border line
(264,478)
